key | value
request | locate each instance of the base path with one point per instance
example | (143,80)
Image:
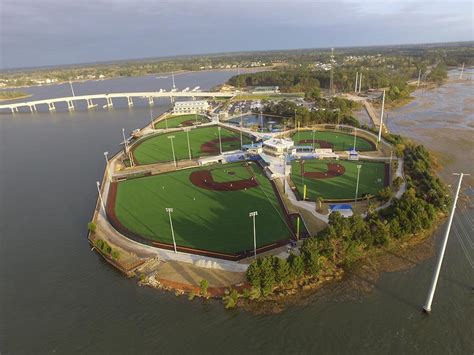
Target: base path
(204,180)
(334,170)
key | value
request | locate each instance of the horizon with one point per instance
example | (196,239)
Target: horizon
(45,35)
(218,54)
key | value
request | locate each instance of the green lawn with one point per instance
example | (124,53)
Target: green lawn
(371,179)
(176,121)
(212,220)
(158,148)
(341,141)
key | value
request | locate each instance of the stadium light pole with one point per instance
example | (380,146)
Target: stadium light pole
(429,300)
(151,118)
(172,149)
(187,129)
(220,141)
(106,155)
(241,137)
(357,185)
(355,137)
(381,117)
(127,149)
(252,215)
(169,210)
(100,198)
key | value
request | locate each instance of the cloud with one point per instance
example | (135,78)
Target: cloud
(69,31)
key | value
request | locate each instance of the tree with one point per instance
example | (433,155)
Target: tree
(253,274)
(310,256)
(267,274)
(282,271)
(296,265)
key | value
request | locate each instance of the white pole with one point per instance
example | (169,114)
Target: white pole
(429,300)
(241,138)
(100,198)
(172,75)
(172,149)
(220,142)
(169,210)
(127,149)
(355,138)
(462,71)
(72,89)
(187,136)
(253,214)
(357,185)
(357,79)
(360,82)
(151,118)
(381,117)
(106,155)
(419,78)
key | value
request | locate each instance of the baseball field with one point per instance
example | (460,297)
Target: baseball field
(181,121)
(336,179)
(203,141)
(337,141)
(211,207)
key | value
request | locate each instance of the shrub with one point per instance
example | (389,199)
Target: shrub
(310,255)
(91,226)
(282,271)
(203,285)
(115,254)
(230,300)
(267,273)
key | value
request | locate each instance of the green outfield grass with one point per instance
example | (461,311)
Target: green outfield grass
(158,148)
(371,179)
(340,141)
(176,121)
(212,220)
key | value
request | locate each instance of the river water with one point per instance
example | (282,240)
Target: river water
(58,296)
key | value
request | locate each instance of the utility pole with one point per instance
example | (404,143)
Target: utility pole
(381,117)
(419,78)
(429,300)
(169,210)
(151,118)
(360,82)
(357,81)
(252,215)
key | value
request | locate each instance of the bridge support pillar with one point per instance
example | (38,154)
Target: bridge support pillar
(32,108)
(109,102)
(70,105)
(90,104)
(51,106)
(129,101)
(13,109)
(150,100)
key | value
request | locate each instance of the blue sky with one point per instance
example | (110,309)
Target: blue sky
(50,32)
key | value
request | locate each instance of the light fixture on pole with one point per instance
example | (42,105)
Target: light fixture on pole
(169,210)
(220,141)
(357,185)
(429,300)
(252,215)
(172,149)
(100,198)
(187,129)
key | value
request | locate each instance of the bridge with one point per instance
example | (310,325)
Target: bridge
(89,99)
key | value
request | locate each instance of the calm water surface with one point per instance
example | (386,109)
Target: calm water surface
(58,296)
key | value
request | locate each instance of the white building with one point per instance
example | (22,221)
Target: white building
(277,146)
(183,107)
